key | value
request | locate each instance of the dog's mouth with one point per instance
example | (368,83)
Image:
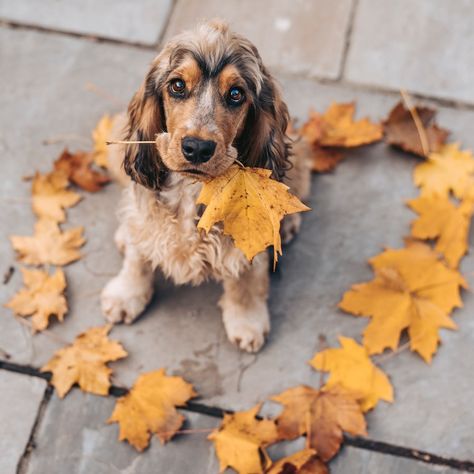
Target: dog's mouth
(194,172)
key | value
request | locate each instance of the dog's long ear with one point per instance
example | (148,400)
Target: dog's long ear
(146,119)
(263,141)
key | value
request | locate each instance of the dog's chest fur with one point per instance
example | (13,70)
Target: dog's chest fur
(164,229)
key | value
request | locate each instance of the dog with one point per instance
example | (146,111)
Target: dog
(208,100)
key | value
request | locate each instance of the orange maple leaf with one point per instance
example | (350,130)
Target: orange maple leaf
(302,462)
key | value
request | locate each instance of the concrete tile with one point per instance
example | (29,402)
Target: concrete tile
(140,21)
(20,398)
(74,438)
(353,460)
(300,36)
(423,46)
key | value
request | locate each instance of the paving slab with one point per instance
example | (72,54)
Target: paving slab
(357,210)
(360,461)
(423,46)
(140,21)
(300,36)
(20,399)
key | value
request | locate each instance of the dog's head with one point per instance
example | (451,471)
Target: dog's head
(209,90)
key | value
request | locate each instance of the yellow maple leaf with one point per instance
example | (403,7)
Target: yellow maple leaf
(100,135)
(84,362)
(340,129)
(251,206)
(351,369)
(450,169)
(50,196)
(323,415)
(441,219)
(302,462)
(41,298)
(413,290)
(149,407)
(49,244)
(241,439)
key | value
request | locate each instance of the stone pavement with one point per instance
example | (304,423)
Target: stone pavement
(321,51)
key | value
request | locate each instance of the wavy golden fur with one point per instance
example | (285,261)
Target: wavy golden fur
(209,100)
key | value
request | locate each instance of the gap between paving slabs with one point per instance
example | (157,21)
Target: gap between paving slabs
(216,412)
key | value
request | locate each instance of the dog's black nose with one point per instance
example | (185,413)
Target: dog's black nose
(196,150)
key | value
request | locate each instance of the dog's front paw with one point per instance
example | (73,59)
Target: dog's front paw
(247,327)
(290,227)
(123,300)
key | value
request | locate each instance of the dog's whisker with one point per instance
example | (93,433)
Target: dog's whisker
(128,142)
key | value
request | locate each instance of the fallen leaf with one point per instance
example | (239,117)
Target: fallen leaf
(451,169)
(251,206)
(441,219)
(50,196)
(339,128)
(413,290)
(301,462)
(325,159)
(312,129)
(77,167)
(241,439)
(149,408)
(84,362)
(352,370)
(400,130)
(41,298)
(49,244)
(323,415)
(100,135)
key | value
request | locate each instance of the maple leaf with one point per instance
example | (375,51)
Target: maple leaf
(323,415)
(413,290)
(301,462)
(324,159)
(100,135)
(149,407)
(440,218)
(251,206)
(339,129)
(401,131)
(50,196)
(450,169)
(352,370)
(241,439)
(84,362)
(312,129)
(77,167)
(41,298)
(49,244)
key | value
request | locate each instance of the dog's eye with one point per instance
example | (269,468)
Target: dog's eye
(236,95)
(177,86)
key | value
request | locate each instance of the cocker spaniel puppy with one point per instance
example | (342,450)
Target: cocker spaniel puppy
(210,101)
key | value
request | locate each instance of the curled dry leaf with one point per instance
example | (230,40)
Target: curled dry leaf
(241,439)
(49,244)
(401,131)
(413,290)
(449,170)
(84,362)
(251,206)
(149,407)
(100,135)
(322,415)
(301,462)
(441,219)
(351,369)
(50,196)
(41,298)
(77,167)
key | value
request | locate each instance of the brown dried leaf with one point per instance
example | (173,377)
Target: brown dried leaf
(302,462)
(325,159)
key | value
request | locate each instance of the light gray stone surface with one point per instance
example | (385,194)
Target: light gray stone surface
(139,21)
(360,461)
(20,398)
(422,46)
(75,438)
(300,36)
(357,209)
